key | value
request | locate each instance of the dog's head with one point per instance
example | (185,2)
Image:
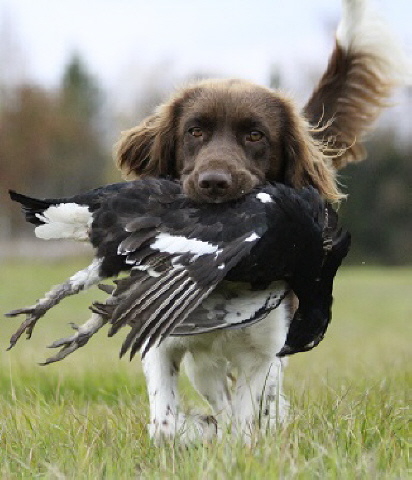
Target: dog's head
(224,137)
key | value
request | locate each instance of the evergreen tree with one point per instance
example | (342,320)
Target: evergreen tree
(80,152)
(378,211)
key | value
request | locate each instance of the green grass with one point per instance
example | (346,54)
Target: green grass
(86,417)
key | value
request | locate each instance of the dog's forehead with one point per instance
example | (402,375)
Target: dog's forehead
(232,99)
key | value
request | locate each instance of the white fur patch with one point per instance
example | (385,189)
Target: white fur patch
(175,244)
(67,220)
(264,198)
(248,352)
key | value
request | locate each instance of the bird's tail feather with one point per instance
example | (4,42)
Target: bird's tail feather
(31,207)
(55,218)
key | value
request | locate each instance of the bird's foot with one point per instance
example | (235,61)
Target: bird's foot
(39,309)
(33,313)
(79,339)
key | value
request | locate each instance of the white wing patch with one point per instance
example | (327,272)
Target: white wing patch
(176,244)
(264,197)
(245,305)
(231,305)
(252,237)
(67,220)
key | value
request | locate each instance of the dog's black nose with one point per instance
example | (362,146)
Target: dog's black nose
(215,182)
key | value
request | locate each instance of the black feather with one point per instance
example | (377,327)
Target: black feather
(31,207)
(290,239)
(179,252)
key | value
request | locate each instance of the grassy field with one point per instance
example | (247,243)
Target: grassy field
(86,417)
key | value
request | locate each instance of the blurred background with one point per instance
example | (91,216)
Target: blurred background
(73,74)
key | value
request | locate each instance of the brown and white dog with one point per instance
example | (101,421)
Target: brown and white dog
(222,138)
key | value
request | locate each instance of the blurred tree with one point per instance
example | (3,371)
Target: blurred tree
(79,147)
(378,211)
(275,77)
(26,132)
(80,94)
(50,141)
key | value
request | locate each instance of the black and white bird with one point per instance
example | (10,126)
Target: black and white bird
(194,268)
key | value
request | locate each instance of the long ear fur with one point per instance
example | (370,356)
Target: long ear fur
(149,148)
(305,163)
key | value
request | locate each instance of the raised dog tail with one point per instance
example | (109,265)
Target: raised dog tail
(366,66)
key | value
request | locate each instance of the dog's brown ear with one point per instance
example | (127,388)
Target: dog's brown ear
(305,163)
(149,148)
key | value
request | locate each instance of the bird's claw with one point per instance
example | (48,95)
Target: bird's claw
(20,311)
(70,344)
(33,313)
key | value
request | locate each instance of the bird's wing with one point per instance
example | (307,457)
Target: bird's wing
(232,305)
(178,252)
(170,277)
(299,224)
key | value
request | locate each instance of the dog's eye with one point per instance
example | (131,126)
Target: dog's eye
(254,136)
(195,131)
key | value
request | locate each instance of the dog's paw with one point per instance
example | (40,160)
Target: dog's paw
(184,429)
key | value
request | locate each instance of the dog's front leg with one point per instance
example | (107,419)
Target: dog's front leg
(209,376)
(161,367)
(258,401)
(259,404)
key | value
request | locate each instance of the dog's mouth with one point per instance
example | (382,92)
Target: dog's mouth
(218,186)
(217,198)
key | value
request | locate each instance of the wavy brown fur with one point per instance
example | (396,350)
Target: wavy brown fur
(157,145)
(363,71)
(364,68)
(347,101)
